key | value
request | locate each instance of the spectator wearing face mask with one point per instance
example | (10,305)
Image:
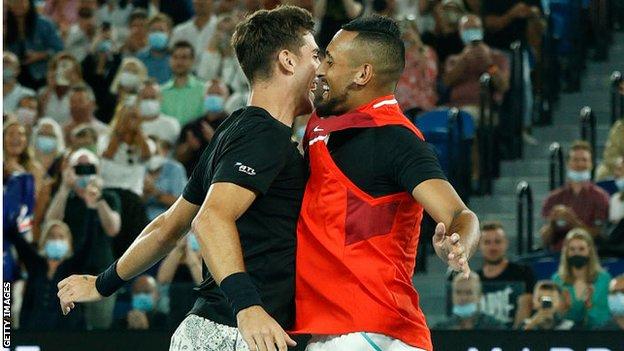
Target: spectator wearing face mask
(178,273)
(157,57)
(64,72)
(27,112)
(53,260)
(137,35)
(128,79)
(466,294)
(616,304)
(33,38)
(463,71)
(82,106)
(548,306)
(81,35)
(579,203)
(164,182)
(154,122)
(48,142)
(183,95)
(614,183)
(584,280)
(144,314)
(196,135)
(12,90)
(89,211)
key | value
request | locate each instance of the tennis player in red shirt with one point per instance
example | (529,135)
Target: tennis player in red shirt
(371,177)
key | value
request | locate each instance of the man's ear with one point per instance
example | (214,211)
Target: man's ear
(363,74)
(286,62)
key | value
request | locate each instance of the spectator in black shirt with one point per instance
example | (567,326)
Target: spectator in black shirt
(99,69)
(507,286)
(53,260)
(509,20)
(90,212)
(144,315)
(243,199)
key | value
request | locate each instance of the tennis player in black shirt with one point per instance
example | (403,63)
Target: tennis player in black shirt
(243,201)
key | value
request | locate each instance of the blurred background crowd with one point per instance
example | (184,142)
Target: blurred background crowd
(108,105)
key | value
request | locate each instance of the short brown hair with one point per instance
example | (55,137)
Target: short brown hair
(491,225)
(581,145)
(161,17)
(262,34)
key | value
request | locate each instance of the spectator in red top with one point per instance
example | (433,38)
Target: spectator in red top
(579,203)
(463,71)
(416,90)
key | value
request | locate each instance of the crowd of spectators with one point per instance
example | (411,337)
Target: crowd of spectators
(108,105)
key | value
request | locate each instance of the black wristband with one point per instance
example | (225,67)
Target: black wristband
(241,291)
(109,281)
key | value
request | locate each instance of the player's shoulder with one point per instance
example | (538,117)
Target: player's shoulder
(397,135)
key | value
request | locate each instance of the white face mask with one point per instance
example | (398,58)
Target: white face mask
(156,162)
(129,80)
(149,107)
(579,177)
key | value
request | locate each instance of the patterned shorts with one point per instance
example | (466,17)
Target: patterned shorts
(199,334)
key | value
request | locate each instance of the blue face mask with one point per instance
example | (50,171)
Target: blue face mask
(8,74)
(579,177)
(561,223)
(193,243)
(143,302)
(158,40)
(466,310)
(46,144)
(105,46)
(616,304)
(83,181)
(56,249)
(214,103)
(620,183)
(471,34)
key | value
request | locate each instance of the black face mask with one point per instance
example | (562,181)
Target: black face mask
(578,261)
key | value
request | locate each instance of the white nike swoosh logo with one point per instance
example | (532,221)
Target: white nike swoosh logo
(317,129)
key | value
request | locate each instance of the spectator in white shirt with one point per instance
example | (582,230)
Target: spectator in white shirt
(12,91)
(218,60)
(64,72)
(199,29)
(82,34)
(82,106)
(155,123)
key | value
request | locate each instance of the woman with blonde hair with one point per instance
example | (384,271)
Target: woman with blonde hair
(19,159)
(47,265)
(584,280)
(130,75)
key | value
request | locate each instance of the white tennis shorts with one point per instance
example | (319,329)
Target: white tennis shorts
(200,334)
(360,341)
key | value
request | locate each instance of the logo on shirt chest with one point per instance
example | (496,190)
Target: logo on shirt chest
(245,169)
